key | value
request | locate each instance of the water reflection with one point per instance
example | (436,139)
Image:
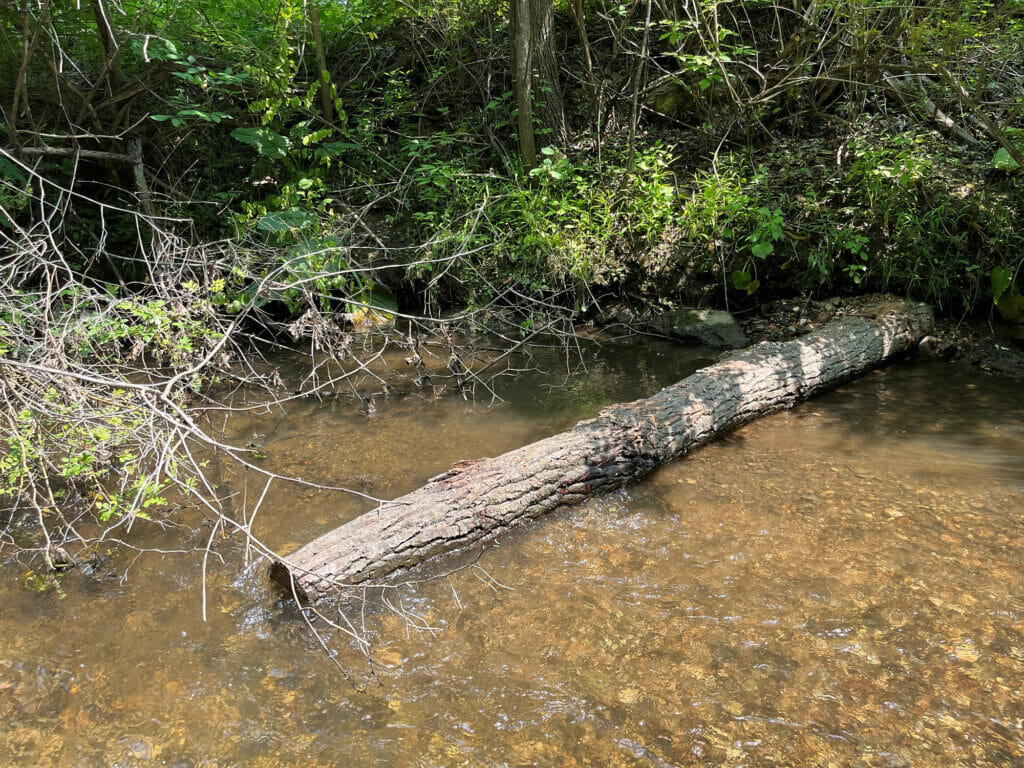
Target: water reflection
(835,586)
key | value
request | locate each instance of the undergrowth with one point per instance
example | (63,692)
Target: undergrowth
(318,173)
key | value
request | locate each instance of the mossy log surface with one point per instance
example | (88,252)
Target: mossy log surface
(476,500)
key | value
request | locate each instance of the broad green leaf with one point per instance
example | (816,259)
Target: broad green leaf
(741,279)
(9,170)
(284,221)
(266,142)
(762,250)
(373,305)
(379,297)
(1001,278)
(335,148)
(1011,306)
(754,285)
(1003,161)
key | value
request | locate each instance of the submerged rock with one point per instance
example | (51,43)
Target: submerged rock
(941,349)
(711,327)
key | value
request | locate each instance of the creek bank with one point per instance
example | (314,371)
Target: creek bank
(478,499)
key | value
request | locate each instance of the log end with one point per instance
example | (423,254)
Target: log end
(282,577)
(294,585)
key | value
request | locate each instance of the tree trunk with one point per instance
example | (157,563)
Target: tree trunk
(476,500)
(536,77)
(547,85)
(326,96)
(522,66)
(110,48)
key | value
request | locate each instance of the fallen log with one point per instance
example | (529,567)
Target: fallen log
(476,500)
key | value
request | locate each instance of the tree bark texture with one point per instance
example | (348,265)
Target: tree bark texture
(548,82)
(537,81)
(522,66)
(326,97)
(476,500)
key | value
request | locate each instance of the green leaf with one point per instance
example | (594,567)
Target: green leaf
(1001,278)
(762,250)
(9,170)
(741,279)
(1011,306)
(379,297)
(266,142)
(374,304)
(754,285)
(284,221)
(335,148)
(1003,161)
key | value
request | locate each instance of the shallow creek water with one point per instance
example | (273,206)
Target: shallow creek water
(839,585)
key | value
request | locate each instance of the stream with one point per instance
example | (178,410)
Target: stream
(838,585)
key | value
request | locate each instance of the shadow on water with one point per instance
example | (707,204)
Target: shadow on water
(836,585)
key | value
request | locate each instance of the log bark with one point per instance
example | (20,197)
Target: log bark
(476,500)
